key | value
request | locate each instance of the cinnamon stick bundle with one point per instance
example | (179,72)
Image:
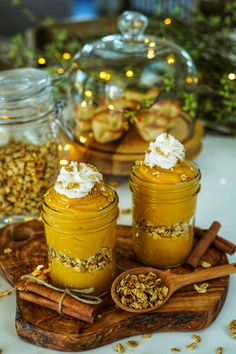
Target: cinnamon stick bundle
(43,296)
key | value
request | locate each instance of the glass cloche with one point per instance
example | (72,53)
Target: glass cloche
(130,87)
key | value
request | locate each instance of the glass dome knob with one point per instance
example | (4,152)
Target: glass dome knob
(132,25)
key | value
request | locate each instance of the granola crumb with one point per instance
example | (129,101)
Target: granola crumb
(191,346)
(125,211)
(196,338)
(132,343)
(175,350)
(147,335)
(219,350)
(119,348)
(232,326)
(202,288)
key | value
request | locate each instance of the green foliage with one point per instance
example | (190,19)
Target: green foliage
(207,38)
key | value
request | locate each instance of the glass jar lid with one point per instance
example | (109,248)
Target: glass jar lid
(25,94)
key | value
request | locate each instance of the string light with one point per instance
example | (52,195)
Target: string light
(189,80)
(75,65)
(88,93)
(82,139)
(59,147)
(129,73)
(67,147)
(232,76)
(60,71)
(42,61)
(152,44)
(104,75)
(167,21)
(83,104)
(150,54)
(171,59)
(66,56)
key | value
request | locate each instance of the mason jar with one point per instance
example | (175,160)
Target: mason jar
(29,136)
(81,239)
(163,219)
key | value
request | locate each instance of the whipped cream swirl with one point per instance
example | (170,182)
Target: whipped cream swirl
(77,180)
(164,152)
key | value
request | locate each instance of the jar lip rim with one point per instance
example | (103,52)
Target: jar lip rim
(25,77)
(96,212)
(170,185)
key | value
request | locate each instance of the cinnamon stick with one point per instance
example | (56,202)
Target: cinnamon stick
(50,298)
(219,242)
(203,245)
(42,301)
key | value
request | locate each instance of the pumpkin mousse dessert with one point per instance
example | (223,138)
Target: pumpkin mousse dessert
(164,194)
(79,213)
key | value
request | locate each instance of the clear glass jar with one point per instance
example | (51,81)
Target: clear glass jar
(163,220)
(132,85)
(28,142)
(81,238)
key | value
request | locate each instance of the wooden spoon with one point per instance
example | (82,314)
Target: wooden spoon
(172,281)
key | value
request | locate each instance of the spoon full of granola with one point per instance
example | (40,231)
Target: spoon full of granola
(145,289)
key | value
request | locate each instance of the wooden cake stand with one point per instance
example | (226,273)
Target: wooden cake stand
(187,310)
(116,158)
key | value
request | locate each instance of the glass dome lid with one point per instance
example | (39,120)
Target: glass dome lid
(133,81)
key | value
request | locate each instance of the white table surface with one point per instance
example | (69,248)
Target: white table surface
(217,201)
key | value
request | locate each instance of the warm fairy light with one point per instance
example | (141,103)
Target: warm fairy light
(75,65)
(42,61)
(152,44)
(82,139)
(111,106)
(167,21)
(104,75)
(83,104)
(189,80)
(150,54)
(88,93)
(66,56)
(195,79)
(232,76)
(64,162)
(59,147)
(129,73)
(171,59)
(60,71)
(67,147)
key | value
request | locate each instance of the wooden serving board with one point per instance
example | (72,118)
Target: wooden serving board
(187,310)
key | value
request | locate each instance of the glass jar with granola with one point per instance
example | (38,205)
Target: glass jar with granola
(164,189)
(28,142)
(79,213)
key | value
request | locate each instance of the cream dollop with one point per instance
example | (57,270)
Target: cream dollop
(77,179)
(164,152)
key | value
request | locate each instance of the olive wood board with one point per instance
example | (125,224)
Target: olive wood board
(116,158)
(187,310)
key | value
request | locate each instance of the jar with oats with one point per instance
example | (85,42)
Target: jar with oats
(79,213)
(164,192)
(29,136)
